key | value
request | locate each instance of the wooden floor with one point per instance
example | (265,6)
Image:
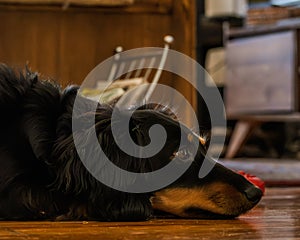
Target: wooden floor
(276,217)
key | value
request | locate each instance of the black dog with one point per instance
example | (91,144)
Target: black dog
(42,176)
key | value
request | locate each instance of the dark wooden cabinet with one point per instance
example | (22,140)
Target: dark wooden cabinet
(67,43)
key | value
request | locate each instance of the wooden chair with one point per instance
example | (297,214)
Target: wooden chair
(145,67)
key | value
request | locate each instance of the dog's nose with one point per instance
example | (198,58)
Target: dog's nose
(253,194)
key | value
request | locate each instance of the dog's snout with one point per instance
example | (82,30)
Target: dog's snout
(253,194)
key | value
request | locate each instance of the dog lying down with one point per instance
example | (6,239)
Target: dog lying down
(42,176)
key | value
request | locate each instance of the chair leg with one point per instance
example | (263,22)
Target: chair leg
(241,132)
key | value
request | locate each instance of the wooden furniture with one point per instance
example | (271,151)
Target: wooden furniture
(123,77)
(67,43)
(263,77)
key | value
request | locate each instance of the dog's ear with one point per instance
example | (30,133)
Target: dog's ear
(40,112)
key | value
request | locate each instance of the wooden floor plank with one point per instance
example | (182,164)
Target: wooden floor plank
(276,217)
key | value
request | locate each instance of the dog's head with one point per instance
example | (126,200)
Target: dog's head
(222,193)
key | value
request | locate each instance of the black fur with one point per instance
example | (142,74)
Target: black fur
(41,175)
